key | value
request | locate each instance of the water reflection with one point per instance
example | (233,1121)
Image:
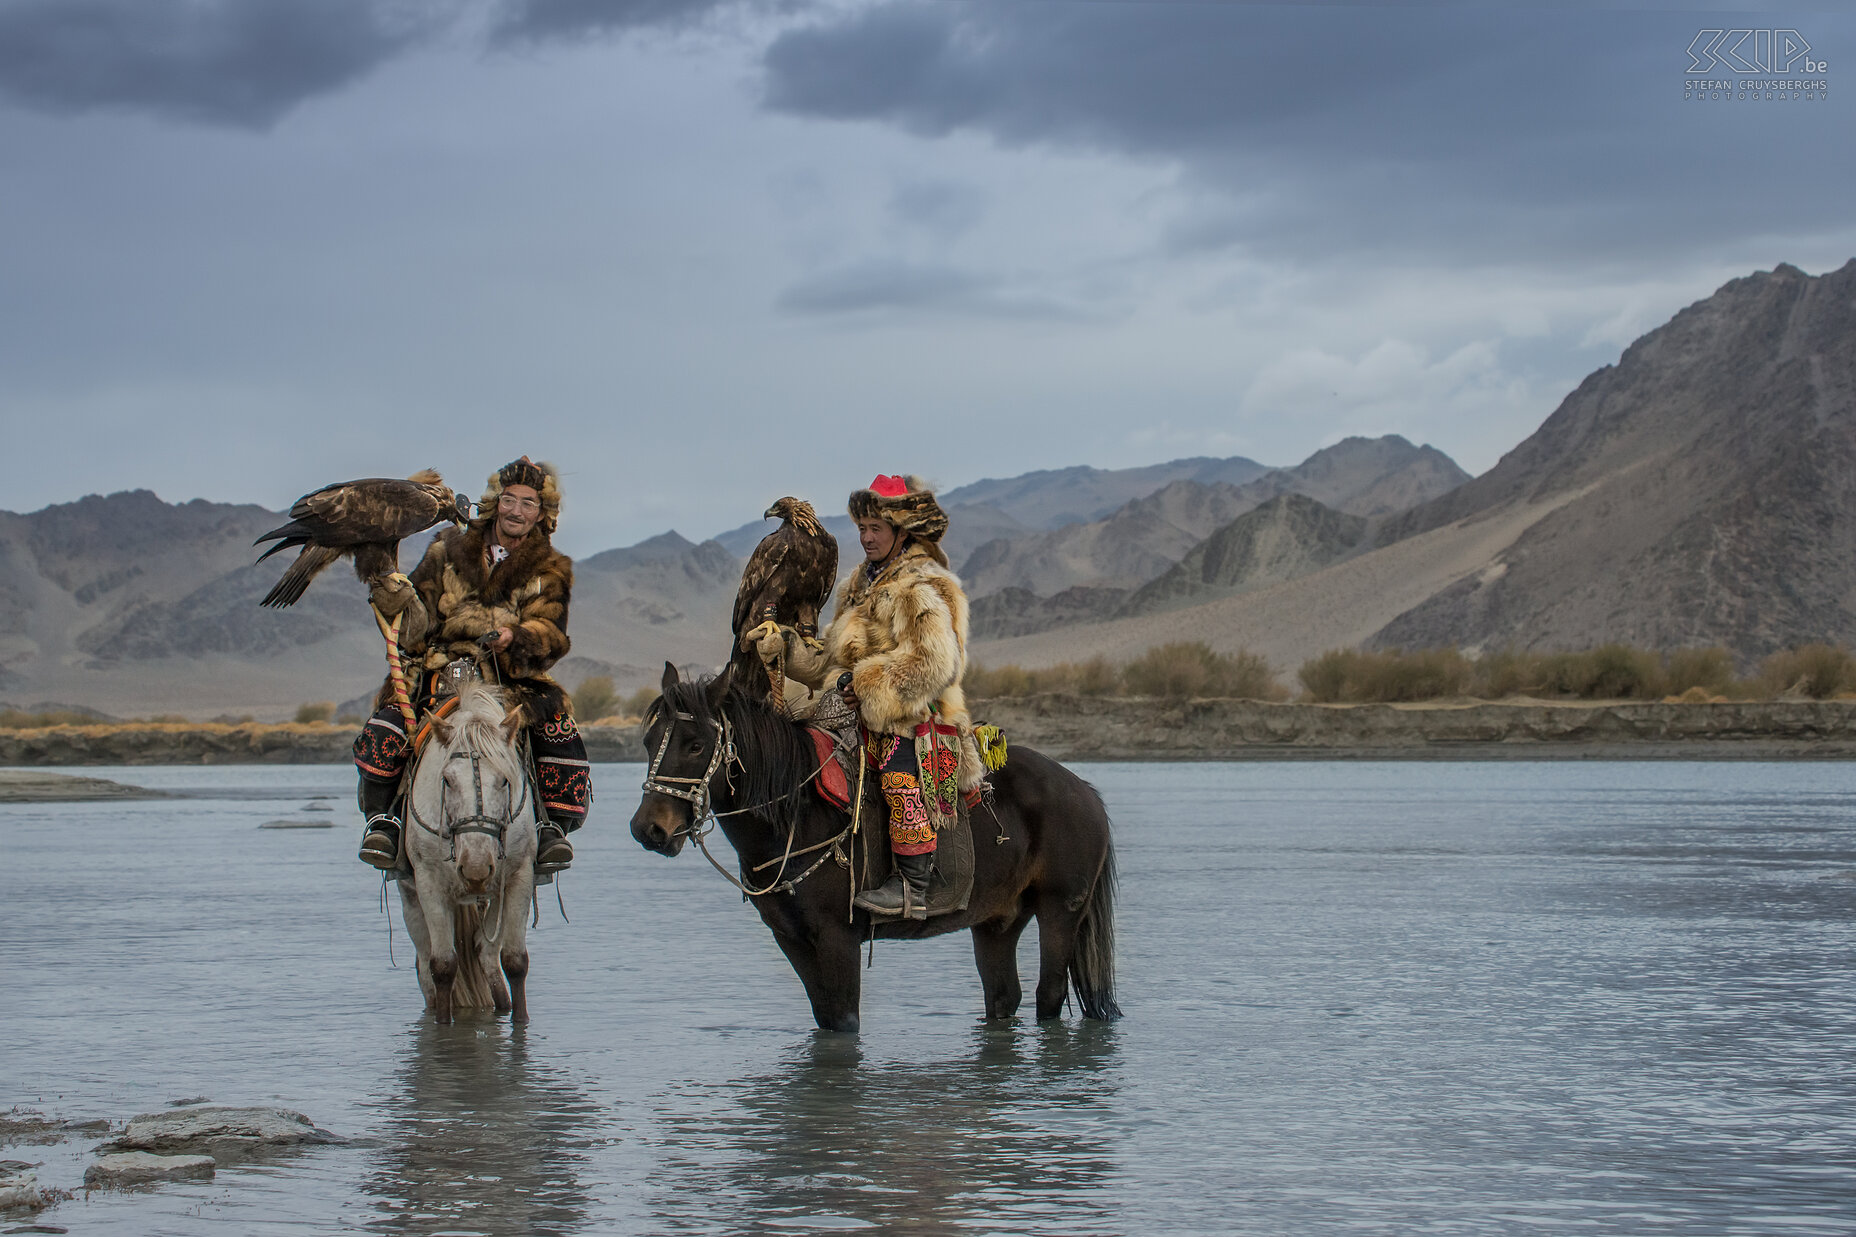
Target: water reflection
(1014,1135)
(480,1138)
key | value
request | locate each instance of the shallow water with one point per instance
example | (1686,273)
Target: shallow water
(1362,998)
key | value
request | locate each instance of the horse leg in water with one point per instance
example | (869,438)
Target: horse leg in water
(442,933)
(414,915)
(499,990)
(995,949)
(827,966)
(1057,932)
(515,966)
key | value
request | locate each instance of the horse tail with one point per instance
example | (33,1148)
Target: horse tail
(471,988)
(1092,964)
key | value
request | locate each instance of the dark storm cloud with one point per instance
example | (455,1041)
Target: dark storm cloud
(232,62)
(1314,128)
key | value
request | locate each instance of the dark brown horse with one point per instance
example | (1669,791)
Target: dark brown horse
(752,767)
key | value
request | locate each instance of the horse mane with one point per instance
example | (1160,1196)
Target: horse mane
(775,757)
(481,713)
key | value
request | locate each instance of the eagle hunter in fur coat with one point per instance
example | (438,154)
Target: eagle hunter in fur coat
(903,634)
(457,598)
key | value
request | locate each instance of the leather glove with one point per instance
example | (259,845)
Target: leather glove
(392,596)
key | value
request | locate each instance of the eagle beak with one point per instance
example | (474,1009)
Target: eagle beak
(770,512)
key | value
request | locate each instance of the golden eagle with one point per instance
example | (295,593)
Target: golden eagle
(365,519)
(786,581)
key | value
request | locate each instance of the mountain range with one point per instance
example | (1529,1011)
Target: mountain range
(1696,492)
(1700,491)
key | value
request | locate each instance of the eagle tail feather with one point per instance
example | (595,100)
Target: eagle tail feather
(307,567)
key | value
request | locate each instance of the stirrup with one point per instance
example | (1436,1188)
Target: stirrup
(557,864)
(877,901)
(385,856)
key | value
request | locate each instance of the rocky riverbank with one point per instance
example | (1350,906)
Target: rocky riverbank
(1124,728)
(1120,728)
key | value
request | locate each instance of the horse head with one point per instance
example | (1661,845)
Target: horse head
(471,793)
(685,733)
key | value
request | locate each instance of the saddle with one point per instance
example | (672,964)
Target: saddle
(952,886)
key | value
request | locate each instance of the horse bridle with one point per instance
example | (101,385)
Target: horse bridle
(694,791)
(480,821)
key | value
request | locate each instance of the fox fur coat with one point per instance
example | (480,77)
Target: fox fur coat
(462,598)
(903,637)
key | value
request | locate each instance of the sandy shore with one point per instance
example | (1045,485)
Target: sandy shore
(34,786)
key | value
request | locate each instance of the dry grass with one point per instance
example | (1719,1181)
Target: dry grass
(316,711)
(595,698)
(1385,677)
(1182,670)
(1820,671)
(1608,672)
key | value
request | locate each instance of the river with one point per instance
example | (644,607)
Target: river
(1362,998)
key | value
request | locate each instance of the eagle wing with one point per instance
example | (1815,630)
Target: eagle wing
(763,579)
(364,518)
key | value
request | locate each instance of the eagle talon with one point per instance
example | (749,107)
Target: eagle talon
(753,636)
(813,643)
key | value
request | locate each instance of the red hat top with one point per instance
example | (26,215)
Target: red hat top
(889,487)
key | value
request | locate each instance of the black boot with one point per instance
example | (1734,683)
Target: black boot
(552,853)
(905,893)
(380,845)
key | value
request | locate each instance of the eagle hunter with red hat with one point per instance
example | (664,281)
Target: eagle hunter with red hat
(900,631)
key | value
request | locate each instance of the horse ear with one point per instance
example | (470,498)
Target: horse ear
(442,730)
(512,722)
(670,678)
(718,687)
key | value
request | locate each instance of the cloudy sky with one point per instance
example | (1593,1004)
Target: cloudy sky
(701,253)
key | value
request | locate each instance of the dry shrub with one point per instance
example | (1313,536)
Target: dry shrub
(1394,675)
(1696,695)
(595,698)
(1510,672)
(992,683)
(1326,676)
(635,704)
(1175,671)
(315,711)
(14,719)
(1608,672)
(1819,671)
(1710,670)
(1187,669)
(1095,677)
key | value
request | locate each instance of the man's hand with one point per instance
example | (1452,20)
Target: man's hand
(392,595)
(496,641)
(848,692)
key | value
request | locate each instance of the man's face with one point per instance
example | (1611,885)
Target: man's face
(877,537)
(517,511)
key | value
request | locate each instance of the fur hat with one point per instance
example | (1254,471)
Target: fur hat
(543,478)
(904,502)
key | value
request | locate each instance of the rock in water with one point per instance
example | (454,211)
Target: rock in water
(135,1167)
(19,1186)
(218,1129)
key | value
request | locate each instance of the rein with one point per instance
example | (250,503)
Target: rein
(478,822)
(698,792)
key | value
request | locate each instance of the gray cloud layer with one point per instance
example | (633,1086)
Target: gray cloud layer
(545,20)
(232,62)
(1317,129)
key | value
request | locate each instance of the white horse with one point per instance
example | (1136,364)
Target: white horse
(470,838)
